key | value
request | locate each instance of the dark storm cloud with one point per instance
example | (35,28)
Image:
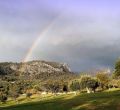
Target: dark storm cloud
(82,57)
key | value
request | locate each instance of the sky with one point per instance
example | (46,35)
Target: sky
(85,34)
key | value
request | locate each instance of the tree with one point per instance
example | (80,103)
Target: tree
(4,87)
(89,83)
(116,73)
(103,79)
(75,85)
(52,86)
(3,97)
(65,88)
(37,87)
(114,83)
(28,95)
(14,91)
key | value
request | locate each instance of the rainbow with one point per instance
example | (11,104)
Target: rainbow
(37,40)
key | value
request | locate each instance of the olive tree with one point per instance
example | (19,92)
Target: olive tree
(3,97)
(103,79)
(14,91)
(89,83)
(75,85)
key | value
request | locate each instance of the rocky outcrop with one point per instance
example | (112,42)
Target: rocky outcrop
(33,68)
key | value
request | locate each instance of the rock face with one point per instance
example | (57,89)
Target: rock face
(33,68)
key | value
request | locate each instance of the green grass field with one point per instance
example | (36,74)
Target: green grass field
(108,100)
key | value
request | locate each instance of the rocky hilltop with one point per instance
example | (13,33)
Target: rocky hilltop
(35,69)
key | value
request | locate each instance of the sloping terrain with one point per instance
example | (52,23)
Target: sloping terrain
(98,101)
(42,70)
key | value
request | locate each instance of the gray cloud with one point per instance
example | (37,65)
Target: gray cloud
(83,37)
(87,46)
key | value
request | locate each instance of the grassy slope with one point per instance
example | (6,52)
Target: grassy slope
(98,101)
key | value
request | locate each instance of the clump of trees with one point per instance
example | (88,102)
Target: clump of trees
(56,86)
(89,83)
(85,82)
(103,80)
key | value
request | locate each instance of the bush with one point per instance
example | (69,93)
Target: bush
(89,83)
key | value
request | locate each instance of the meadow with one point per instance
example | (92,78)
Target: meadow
(107,100)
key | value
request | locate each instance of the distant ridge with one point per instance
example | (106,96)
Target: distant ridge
(36,69)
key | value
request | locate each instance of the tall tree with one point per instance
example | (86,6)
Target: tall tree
(116,73)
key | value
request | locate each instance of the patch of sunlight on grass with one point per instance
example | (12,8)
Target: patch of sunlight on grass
(69,96)
(80,106)
(36,98)
(112,90)
(23,100)
(99,104)
(88,106)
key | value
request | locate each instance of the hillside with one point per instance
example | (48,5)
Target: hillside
(36,70)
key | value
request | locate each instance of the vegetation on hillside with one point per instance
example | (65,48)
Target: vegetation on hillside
(13,86)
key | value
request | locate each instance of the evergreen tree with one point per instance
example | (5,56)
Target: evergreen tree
(116,73)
